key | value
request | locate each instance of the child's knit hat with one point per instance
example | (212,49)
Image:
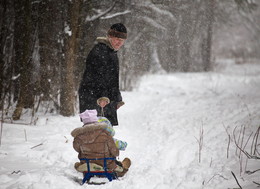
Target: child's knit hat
(89,116)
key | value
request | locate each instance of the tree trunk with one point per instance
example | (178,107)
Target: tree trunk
(7,50)
(207,41)
(67,95)
(45,22)
(2,44)
(50,19)
(23,55)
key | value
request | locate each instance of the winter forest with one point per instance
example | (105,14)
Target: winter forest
(189,74)
(44,44)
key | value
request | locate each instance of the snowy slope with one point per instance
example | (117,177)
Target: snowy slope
(161,122)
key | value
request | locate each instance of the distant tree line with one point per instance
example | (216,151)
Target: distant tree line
(44,43)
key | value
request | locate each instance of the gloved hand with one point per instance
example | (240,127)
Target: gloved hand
(119,104)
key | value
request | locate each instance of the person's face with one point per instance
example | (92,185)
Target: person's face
(116,42)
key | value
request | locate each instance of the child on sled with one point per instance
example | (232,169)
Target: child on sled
(95,140)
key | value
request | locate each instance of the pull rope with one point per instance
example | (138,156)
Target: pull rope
(102,112)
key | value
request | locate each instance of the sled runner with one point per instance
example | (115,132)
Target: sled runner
(103,172)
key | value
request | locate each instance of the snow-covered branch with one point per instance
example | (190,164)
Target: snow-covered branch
(95,17)
(157,10)
(116,14)
(153,23)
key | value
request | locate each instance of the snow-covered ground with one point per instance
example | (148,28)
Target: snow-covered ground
(165,121)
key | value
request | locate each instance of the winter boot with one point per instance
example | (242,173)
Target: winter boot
(76,165)
(81,167)
(126,163)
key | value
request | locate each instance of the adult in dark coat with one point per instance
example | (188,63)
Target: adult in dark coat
(101,78)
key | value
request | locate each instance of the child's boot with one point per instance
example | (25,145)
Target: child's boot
(126,163)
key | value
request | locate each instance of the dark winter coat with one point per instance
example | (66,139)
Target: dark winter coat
(101,79)
(93,141)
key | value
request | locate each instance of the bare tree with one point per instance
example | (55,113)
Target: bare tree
(2,43)
(67,95)
(23,54)
(207,37)
(48,49)
(163,34)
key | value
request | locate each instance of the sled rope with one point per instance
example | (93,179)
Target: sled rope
(102,112)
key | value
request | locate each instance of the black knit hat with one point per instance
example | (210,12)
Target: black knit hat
(118,30)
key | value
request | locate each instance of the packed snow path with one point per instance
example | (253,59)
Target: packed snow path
(161,121)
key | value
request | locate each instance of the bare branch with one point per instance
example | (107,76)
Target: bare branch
(229,139)
(37,145)
(2,117)
(215,176)
(2,123)
(256,140)
(25,135)
(252,172)
(242,139)
(248,140)
(16,172)
(256,183)
(250,156)
(236,180)
(200,141)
